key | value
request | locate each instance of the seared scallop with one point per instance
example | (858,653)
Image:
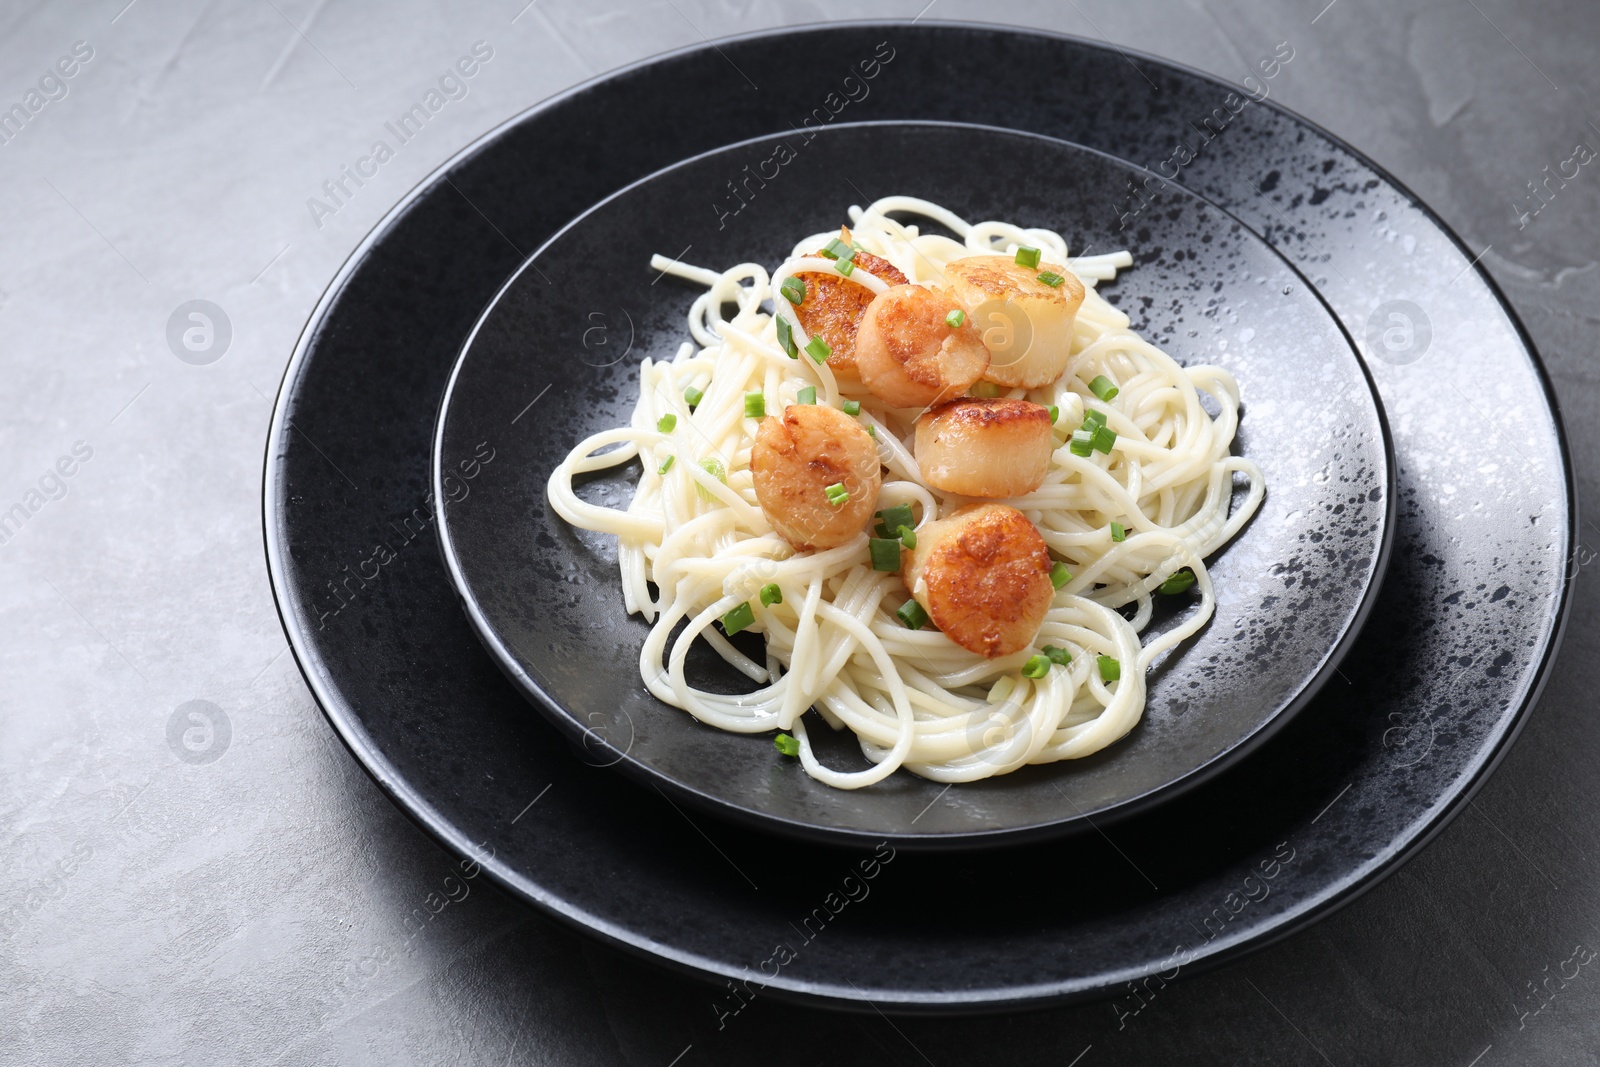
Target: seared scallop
(816,475)
(908,351)
(988,448)
(983,577)
(1025,322)
(834,304)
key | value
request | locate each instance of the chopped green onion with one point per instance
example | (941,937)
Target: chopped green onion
(1082,443)
(837,249)
(1055,413)
(666,422)
(912,614)
(955,319)
(837,494)
(908,536)
(818,349)
(740,618)
(755,406)
(1059,575)
(807,395)
(693,396)
(844,266)
(1118,532)
(851,407)
(786,745)
(771,594)
(1036,667)
(793,289)
(1104,438)
(1110,668)
(891,519)
(1051,278)
(786,338)
(986,390)
(665,467)
(872,431)
(712,466)
(885,553)
(1103,387)
(1028,257)
(1059,656)
(1093,419)
(1177,582)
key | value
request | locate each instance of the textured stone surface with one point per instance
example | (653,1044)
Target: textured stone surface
(254,908)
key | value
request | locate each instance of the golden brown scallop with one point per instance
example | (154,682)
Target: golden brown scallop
(1025,323)
(909,355)
(983,577)
(986,448)
(834,304)
(794,462)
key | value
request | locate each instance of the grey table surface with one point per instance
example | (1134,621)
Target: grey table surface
(241,897)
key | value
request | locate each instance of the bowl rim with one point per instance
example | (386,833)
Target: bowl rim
(513,665)
(416,807)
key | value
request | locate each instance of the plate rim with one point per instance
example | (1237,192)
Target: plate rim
(427,818)
(622,761)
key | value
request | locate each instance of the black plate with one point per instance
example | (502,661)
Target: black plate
(546,600)
(1442,676)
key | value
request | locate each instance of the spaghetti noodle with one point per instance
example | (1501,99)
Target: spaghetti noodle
(694,544)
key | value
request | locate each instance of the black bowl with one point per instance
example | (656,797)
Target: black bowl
(1445,673)
(572,325)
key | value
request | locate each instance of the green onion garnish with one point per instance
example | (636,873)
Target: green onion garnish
(912,614)
(1059,656)
(786,338)
(1082,442)
(837,249)
(851,407)
(666,422)
(1051,278)
(837,494)
(891,519)
(1118,533)
(786,745)
(740,618)
(771,594)
(1177,582)
(1110,668)
(1104,438)
(908,536)
(807,395)
(1055,413)
(1093,419)
(955,319)
(885,553)
(712,466)
(665,467)
(1028,257)
(693,396)
(985,390)
(872,431)
(1036,667)
(755,406)
(844,266)
(793,290)
(1103,387)
(1059,575)
(818,349)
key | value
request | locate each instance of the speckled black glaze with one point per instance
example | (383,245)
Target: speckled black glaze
(1439,681)
(546,600)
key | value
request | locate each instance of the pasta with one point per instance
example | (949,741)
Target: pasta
(1121,523)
